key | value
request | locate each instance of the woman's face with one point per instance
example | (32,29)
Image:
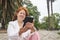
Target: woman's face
(21,15)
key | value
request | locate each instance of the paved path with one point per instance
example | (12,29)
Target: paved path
(44,35)
(3,36)
(49,35)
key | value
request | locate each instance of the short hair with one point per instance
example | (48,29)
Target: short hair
(17,11)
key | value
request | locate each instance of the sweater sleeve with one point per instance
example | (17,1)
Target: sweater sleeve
(12,34)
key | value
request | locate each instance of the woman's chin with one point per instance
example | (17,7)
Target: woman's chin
(21,18)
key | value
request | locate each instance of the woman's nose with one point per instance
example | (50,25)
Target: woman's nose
(22,13)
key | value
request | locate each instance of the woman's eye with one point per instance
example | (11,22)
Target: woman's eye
(22,13)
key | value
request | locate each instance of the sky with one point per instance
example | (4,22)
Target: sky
(42,7)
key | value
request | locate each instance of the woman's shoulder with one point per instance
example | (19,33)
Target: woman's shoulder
(12,22)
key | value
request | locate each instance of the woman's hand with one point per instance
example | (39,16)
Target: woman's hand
(22,30)
(26,27)
(29,25)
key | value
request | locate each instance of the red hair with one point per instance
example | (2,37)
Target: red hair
(17,11)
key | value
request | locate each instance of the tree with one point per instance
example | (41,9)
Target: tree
(10,6)
(0,10)
(56,21)
(33,12)
(48,13)
(7,10)
(50,20)
(52,16)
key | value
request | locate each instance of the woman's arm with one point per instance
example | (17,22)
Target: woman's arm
(33,29)
(23,29)
(11,30)
(26,27)
(12,34)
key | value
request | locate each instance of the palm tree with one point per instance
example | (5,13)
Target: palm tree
(0,1)
(4,7)
(50,20)
(48,13)
(8,7)
(52,6)
(52,17)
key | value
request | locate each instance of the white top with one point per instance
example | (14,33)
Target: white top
(13,29)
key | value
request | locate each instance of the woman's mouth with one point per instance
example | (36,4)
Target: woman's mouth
(21,16)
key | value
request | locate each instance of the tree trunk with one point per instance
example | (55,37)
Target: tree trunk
(0,1)
(19,3)
(48,14)
(51,7)
(52,17)
(4,8)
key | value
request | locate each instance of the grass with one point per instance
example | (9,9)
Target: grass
(59,33)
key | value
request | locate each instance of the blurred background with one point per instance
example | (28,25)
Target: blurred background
(45,12)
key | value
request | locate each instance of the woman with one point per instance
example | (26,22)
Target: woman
(15,30)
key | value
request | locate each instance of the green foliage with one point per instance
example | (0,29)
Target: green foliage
(43,25)
(53,23)
(12,6)
(33,12)
(57,20)
(0,11)
(59,33)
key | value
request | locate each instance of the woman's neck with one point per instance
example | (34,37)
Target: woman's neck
(20,23)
